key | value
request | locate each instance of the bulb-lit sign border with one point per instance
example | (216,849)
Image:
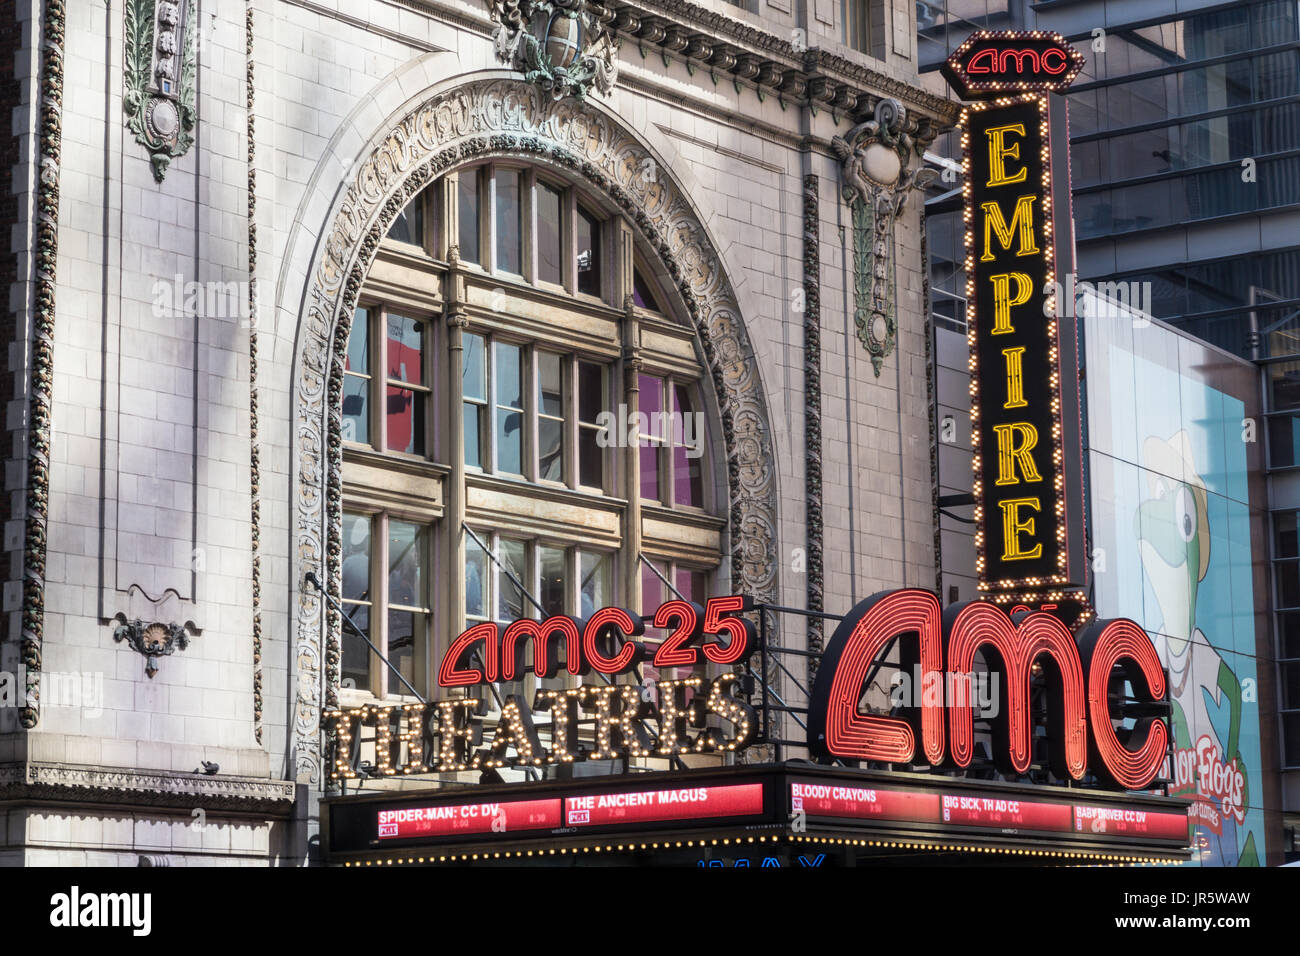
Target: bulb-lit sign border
(1025,405)
(684,715)
(990,62)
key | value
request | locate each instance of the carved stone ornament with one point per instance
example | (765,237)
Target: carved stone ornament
(564,46)
(160,71)
(481,119)
(876,182)
(153,639)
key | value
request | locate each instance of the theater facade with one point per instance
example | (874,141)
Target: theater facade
(505,432)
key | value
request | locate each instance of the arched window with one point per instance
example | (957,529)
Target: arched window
(548,452)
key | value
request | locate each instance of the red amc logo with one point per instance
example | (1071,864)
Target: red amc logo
(1079,672)
(1006,61)
(1018,61)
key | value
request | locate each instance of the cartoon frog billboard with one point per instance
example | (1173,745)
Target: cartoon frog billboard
(1171,549)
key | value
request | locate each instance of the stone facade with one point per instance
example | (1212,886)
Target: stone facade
(193,474)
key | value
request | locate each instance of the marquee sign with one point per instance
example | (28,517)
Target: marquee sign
(688,714)
(760,807)
(695,714)
(1025,402)
(1080,672)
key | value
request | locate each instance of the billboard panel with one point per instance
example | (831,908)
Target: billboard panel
(1171,535)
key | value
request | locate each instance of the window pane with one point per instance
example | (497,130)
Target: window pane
(1288,629)
(687,486)
(473,377)
(553,579)
(550,396)
(653,593)
(652,590)
(1283,441)
(550,236)
(651,405)
(1290,685)
(510,441)
(356,557)
(358,358)
(1284,535)
(356,655)
(591,392)
(591,459)
(509,372)
(1283,385)
(641,293)
(509,414)
(406,420)
(407,631)
(1288,583)
(356,409)
(409,224)
(509,224)
(474,435)
(406,350)
(588,254)
(406,557)
(687,474)
(510,606)
(467,189)
(592,399)
(550,446)
(597,570)
(476,579)
(691,585)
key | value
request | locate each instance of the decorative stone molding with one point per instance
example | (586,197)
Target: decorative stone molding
(715,41)
(66,783)
(254,452)
(719,44)
(154,639)
(932,409)
(160,78)
(876,180)
(42,356)
(507,118)
(812,397)
(564,46)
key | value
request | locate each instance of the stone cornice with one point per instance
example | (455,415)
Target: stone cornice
(715,42)
(159,789)
(724,46)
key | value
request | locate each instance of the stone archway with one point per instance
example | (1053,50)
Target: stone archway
(499,117)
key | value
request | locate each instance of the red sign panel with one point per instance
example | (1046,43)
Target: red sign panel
(864,803)
(1125,822)
(461,819)
(657,806)
(1005,813)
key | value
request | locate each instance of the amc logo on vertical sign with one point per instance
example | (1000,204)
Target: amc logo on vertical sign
(989,63)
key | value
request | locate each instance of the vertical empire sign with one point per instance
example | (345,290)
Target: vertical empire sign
(1025,407)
